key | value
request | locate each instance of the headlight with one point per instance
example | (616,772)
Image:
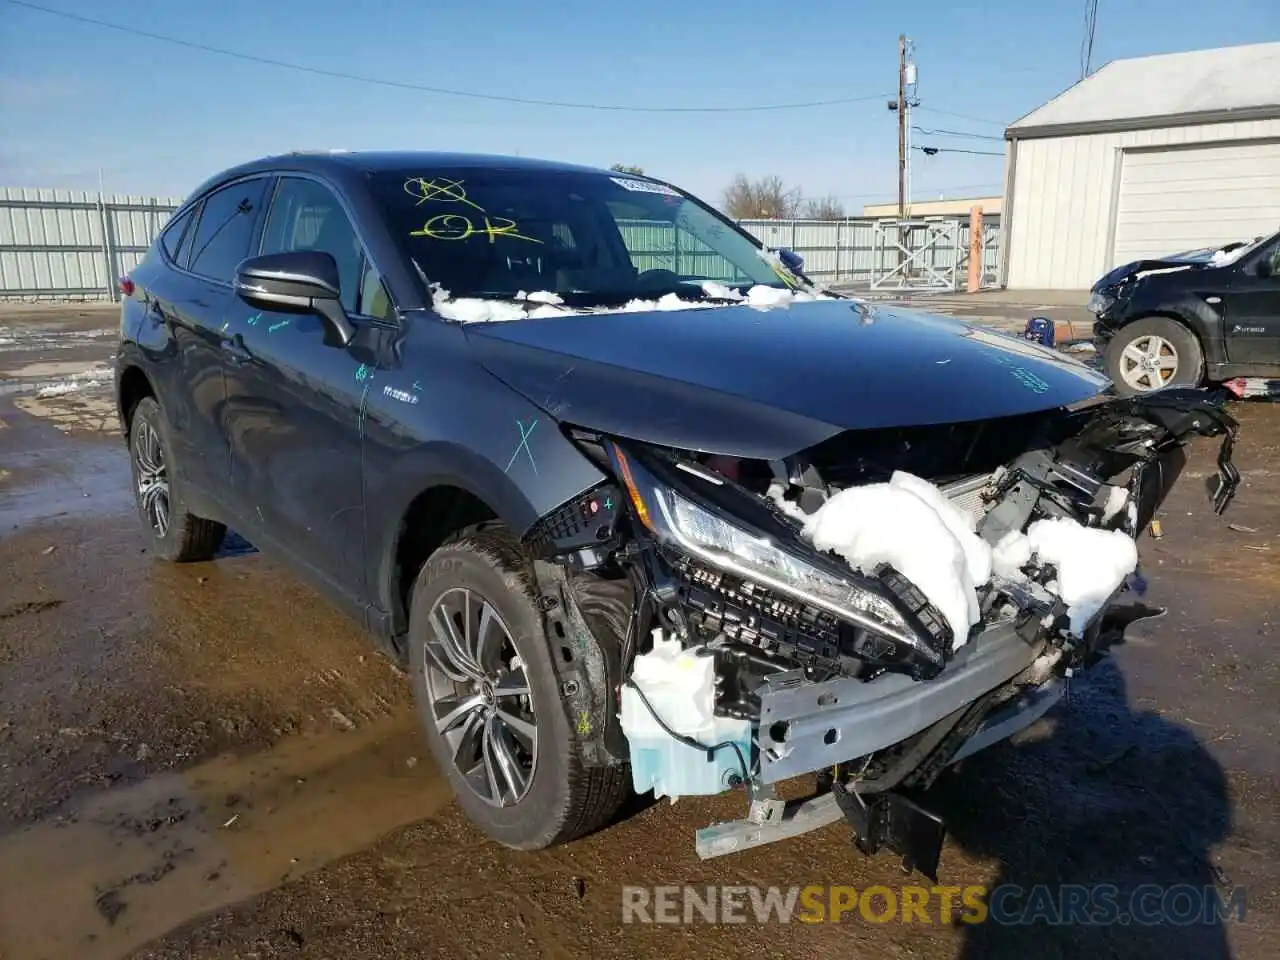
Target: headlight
(731,548)
(721,544)
(1100,303)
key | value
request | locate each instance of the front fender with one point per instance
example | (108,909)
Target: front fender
(468,430)
(446,465)
(1206,324)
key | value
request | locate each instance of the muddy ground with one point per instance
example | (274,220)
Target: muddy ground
(210,761)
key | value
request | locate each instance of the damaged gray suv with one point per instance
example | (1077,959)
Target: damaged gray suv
(639,505)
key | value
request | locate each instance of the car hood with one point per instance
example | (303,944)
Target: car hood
(1194,259)
(768,383)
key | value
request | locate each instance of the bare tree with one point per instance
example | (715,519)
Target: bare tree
(767,197)
(823,208)
(624,168)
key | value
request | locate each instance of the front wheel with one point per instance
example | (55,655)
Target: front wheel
(1151,354)
(490,700)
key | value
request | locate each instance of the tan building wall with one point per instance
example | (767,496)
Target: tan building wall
(936,208)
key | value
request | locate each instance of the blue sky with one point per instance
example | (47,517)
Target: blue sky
(157,118)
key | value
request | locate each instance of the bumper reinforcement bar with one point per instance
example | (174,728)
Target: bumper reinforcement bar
(886,820)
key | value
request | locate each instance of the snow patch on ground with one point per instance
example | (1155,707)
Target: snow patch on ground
(67,386)
(542,303)
(903,524)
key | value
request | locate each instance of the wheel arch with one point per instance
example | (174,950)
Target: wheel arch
(132,386)
(439,511)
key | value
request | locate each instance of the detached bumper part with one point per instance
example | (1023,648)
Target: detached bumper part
(895,822)
(1185,411)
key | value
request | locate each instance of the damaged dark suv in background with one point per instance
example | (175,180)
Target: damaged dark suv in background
(1190,319)
(640,506)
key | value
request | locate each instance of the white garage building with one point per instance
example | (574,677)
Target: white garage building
(1146,157)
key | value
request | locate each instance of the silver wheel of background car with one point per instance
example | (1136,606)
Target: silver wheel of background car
(480,697)
(1148,362)
(153,478)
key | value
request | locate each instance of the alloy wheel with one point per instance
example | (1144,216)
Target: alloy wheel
(1148,363)
(153,477)
(480,697)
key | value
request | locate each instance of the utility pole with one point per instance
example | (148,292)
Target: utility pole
(906,100)
(901,107)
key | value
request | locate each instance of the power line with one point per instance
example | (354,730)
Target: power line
(1086,44)
(423,88)
(956,133)
(945,113)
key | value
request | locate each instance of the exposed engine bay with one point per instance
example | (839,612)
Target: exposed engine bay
(750,654)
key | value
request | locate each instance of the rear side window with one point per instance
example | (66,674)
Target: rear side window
(226,229)
(171,238)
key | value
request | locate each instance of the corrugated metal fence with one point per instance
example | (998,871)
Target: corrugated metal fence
(865,251)
(64,244)
(69,244)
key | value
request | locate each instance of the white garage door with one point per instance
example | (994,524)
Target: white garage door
(1183,198)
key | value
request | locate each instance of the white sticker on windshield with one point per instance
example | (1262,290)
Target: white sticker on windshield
(644,186)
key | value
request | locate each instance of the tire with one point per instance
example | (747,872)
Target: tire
(1173,342)
(183,537)
(562,799)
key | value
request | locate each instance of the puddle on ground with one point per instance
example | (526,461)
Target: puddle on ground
(83,480)
(128,865)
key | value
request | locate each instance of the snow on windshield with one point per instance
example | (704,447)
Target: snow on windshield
(542,303)
(910,524)
(1222,257)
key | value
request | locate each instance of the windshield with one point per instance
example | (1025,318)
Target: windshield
(592,239)
(1221,256)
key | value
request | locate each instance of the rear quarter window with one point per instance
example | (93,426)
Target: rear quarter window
(171,236)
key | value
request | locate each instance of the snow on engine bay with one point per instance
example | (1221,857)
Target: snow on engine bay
(909,523)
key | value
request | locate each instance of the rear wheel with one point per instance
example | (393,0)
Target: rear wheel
(177,534)
(490,700)
(1153,353)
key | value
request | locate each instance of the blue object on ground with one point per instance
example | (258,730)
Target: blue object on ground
(1040,329)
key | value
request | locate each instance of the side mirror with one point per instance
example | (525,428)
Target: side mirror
(1266,267)
(791,260)
(300,281)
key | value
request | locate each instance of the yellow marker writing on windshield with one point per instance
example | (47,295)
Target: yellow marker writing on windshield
(442,190)
(454,226)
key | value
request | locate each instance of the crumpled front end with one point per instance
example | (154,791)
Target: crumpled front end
(762,646)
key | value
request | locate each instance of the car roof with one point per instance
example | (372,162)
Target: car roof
(342,164)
